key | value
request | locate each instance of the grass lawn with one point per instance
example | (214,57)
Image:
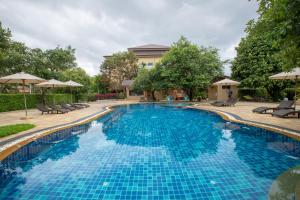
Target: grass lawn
(13,129)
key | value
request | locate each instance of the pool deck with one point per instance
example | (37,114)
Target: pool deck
(241,112)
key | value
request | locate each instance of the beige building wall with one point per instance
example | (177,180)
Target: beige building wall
(220,94)
(148,60)
(212,93)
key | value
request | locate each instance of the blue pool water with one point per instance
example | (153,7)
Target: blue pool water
(150,152)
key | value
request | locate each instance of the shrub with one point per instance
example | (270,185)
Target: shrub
(253,94)
(106,96)
(10,102)
(290,93)
(91,97)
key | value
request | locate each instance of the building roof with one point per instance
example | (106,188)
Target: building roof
(127,83)
(226,81)
(148,50)
(150,46)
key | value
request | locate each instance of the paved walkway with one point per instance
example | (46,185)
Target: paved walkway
(242,109)
(50,120)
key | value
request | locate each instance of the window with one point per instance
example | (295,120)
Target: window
(225,87)
(150,64)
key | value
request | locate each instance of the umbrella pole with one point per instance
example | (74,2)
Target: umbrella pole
(25,103)
(71,95)
(53,96)
(296,87)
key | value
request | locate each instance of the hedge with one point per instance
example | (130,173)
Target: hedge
(10,102)
(253,94)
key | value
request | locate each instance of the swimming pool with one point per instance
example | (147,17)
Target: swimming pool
(150,151)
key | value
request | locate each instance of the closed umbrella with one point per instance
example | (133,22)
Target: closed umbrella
(52,83)
(22,78)
(72,84)
(294,74)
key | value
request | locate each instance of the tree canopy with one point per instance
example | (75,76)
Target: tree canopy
(186,66)
(270,46)
(118,67)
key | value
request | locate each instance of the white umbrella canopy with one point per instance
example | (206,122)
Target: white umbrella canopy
(226,81)
(294,74)
(52,83)
(24,79)
(71,84)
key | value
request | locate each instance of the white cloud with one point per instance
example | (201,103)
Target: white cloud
(97,28)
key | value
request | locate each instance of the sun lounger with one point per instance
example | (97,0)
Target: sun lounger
(285,104)
(81,104)
(58,109)
(77,106)
(68,107)
(44,109)
(285,113)
(229,102)
(218,103)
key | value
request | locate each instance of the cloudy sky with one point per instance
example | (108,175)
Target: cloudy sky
(100,27)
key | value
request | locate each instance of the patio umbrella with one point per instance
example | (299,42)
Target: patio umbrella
(22,78)
(52,83)
(294,74)
(226,81)
(72,84)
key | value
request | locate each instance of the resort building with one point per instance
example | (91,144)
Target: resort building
(149,54)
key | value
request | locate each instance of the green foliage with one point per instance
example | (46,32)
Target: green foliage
(272,45)
(16,57)
(118,67)
(256,60)
(185,66)
(189,67)
(91,97)
(99,84)
(282,19)
(254,94)
(144,80)
(10,102)
(58,98)
(13,129)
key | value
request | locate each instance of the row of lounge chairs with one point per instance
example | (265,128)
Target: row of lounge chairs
(284,109)
(62,108)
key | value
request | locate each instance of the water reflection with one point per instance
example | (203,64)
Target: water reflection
(29,155)
(162,128)
(262,149)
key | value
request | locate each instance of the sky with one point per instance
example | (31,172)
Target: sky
(101,27)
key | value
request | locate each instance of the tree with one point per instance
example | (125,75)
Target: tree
(78,75)
(268,48)
(145,80)
(99,84)
(118,67)
(5,37)
(189,67)
(282,19)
